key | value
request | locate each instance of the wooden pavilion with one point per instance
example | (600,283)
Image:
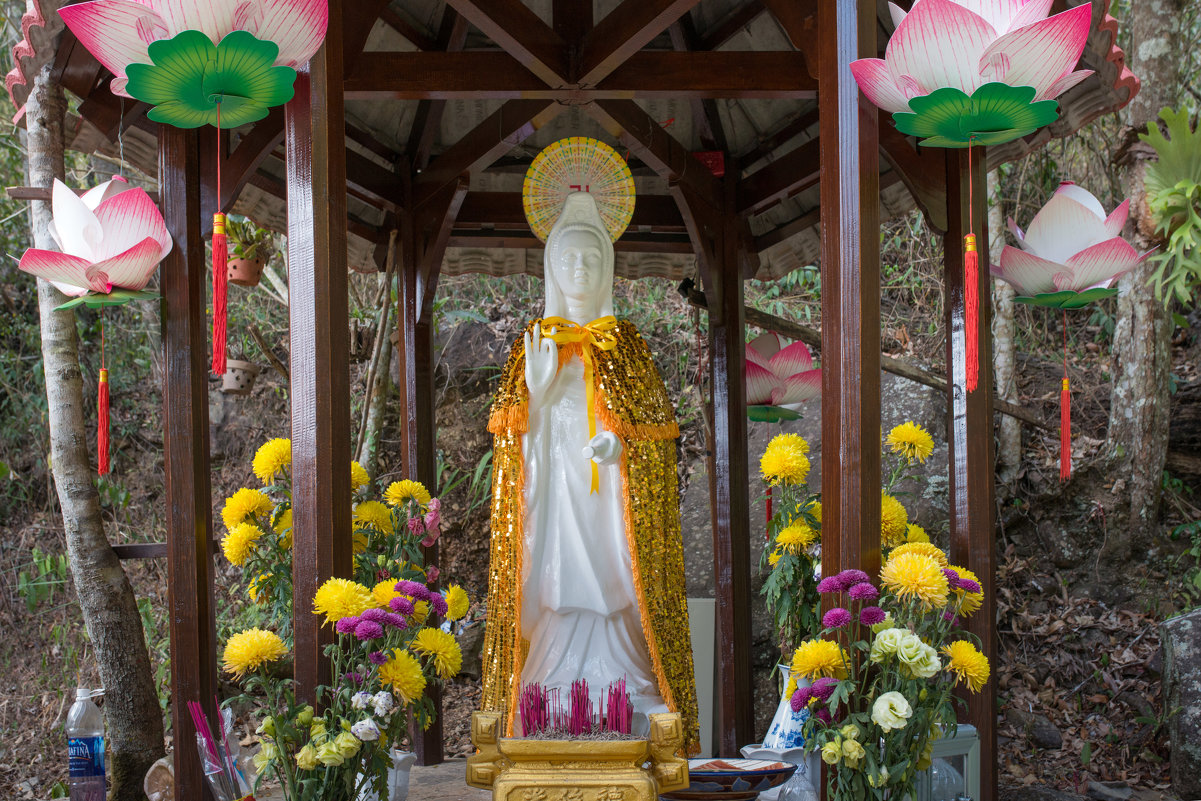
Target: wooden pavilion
(754,154)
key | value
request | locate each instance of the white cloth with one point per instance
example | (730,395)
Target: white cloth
(579,609)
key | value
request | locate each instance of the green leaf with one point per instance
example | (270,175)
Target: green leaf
(1069,299)
(193,82)
(771,414)
(115,298)
(994,114)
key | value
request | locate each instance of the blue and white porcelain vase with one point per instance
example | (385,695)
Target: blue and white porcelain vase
(785,729)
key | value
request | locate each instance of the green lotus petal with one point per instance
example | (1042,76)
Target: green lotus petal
(771,414)
(190,76)
(1067,299)
(994,114)
(115,298)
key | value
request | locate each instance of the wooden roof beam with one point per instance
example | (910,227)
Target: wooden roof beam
(452,37)
(798,18)
(572,19)
(729,27)
(794,127)
(409,30)
(504,209)
(780,179)
(644,136)
(648,74)
(623,32)
(504,129)
(518,30)
(705,116)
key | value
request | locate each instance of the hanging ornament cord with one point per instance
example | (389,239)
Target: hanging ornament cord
(1065,413)
(971,283)
(220,277)
(102,409)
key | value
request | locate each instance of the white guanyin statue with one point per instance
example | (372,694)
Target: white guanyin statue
(587,571)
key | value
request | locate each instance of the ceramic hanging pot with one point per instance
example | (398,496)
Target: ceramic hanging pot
(239,378)
(245,272)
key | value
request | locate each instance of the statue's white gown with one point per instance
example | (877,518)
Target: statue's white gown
(579,608)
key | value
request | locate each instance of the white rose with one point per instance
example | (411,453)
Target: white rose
(891,711)
(921,660)
(886,643)
(366,730)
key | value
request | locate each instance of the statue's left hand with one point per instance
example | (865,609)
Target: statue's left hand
(604,448)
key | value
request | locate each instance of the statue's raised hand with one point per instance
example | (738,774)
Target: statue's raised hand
(604,448)
(541,364)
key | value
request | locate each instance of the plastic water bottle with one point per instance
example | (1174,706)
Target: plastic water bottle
(85,746)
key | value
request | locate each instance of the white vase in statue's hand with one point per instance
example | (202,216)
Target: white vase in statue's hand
(604,448)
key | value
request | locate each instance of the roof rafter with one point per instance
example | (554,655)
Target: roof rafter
(452,36)
(780,179)
(518,30)
(728,27)
(623,32)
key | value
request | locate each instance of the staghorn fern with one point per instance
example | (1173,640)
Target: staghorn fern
(1173,186)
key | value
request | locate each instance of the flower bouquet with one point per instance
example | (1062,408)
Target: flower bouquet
(882,685)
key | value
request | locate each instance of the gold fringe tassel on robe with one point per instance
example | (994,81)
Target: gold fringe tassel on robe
(632,403)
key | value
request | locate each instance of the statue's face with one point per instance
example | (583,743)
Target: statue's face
(579,266)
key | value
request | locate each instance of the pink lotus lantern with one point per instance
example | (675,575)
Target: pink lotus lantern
(112,239)
(779,378)
(975,72)
(1071,256)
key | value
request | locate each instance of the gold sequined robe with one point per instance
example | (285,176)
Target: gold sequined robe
(632,402)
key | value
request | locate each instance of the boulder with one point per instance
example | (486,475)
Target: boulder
(1038,728)
(1181,643)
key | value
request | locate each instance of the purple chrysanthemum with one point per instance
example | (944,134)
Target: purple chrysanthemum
(377,658)
(823,688)
(864,591)
(368,630)
(952,576)
(836,618)
(354,676)
(823,715)
(967,585)
(849,578)
(829,584)
(346,625)
(871,615)
(800,699)
(413,589)
(401,606)
(439,603)
(951,618)
(376,615)
(394,620)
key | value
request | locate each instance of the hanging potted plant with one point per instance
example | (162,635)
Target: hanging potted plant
(239,378)
(250,248)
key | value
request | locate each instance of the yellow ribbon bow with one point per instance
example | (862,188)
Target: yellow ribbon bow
(599,334)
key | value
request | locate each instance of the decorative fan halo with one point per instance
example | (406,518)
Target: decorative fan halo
(578,164)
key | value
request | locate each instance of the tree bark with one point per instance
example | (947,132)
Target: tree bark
(110,612)
(1009,429)
(1139,401)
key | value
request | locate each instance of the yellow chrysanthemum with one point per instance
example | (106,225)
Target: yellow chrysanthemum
(918,576)
(256,586)
(924,548)
(373,513)
(457,602)
(248,650)
(785,461)
(911,441)
(815,510)
(384,592)
(400,492)
(358,476)
(773,558)
(358,542)
(240,541)
(796,538)
(969,602)
(893,521)
(815,659)
(338,598)
(915,533)
(273,458)
(243,504)
(441,647)
(968,664)
(402,672)
(283,527)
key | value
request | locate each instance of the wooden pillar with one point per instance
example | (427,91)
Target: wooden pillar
(850,262)
(425,231)
(320,383)
(186,452)
(970,438)
(729,492)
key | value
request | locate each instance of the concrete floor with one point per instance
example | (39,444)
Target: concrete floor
(443,782)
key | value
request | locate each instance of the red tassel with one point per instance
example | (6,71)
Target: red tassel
(102,423)
(220,290)
(971,302)
(1065,431)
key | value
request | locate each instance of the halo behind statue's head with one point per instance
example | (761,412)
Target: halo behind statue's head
(578,164)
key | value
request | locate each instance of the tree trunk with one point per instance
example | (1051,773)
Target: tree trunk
(110,612)
(1009,429)
(1139,401)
